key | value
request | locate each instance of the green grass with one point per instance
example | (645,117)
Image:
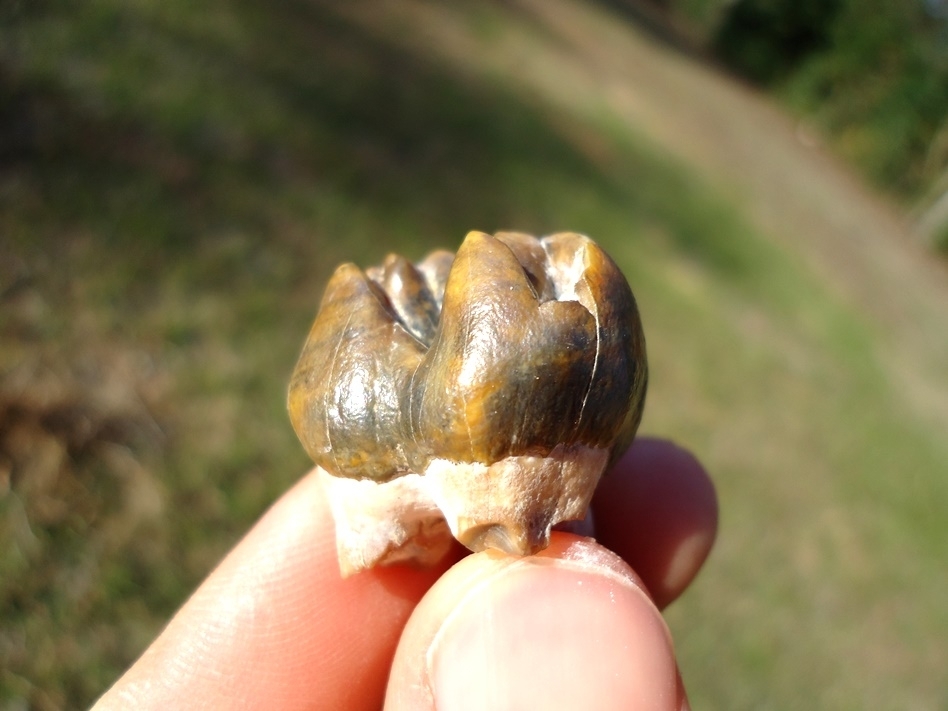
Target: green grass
(870,74)
(185,181)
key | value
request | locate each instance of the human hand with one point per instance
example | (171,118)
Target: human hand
(274,626)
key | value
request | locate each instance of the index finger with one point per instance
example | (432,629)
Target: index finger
(275,626)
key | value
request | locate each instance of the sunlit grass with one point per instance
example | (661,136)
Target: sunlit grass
(192,177)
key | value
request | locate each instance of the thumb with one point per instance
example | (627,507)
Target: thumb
(569,628)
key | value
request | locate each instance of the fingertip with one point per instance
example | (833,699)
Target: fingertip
(567,628)
(658,510)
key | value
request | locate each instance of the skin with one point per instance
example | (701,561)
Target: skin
(274,626)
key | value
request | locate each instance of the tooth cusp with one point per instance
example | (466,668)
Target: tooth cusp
(482,393)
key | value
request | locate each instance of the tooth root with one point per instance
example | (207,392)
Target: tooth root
(509,538)
(513,504)
(380,523)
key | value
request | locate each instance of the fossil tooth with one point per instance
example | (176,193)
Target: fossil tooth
(410,296)
(480,394)
(501,375)
(347,394)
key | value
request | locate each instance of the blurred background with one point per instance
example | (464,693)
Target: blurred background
(178,180)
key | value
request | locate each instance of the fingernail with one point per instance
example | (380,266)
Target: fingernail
(545,633)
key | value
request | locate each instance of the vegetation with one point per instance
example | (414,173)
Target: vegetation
(768,41)
(872,75)
(177,182)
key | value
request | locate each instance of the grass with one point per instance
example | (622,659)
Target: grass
(182,183)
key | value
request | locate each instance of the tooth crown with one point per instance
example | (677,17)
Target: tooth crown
(515,347)
(477,395)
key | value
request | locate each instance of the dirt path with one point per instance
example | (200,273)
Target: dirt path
(775,169)
(786,182)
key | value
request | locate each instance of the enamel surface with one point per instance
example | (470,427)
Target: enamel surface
(515,350)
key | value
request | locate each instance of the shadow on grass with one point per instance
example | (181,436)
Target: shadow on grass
(169,136)
(156,131)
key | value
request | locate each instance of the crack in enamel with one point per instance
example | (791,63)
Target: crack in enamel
(514,349)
